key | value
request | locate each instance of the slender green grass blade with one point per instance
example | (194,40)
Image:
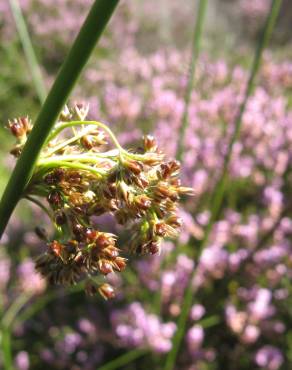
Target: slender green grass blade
(28,49)
(194,57)
(123,359)
(79,54)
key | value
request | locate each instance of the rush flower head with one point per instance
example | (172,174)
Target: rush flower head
(79,176)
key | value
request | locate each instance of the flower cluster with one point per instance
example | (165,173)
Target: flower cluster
(80,178)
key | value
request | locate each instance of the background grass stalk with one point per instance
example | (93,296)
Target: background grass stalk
(194,57)
(218,195)
(216,202)
(79,54)
(28,50)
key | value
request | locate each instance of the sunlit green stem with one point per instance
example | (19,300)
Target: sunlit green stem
(194,57)
(65,125)
(50,163)
(28,50)
(79,54)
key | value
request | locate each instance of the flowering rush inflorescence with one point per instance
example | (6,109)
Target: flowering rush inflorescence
(80,177)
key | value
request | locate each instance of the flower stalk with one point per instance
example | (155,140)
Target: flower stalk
(83,46)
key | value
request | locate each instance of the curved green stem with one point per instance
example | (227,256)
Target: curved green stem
(42,207)
(65,125)
(83,46)
(93,158)
(50,163)
(28,50)
(124,359)
(195,53)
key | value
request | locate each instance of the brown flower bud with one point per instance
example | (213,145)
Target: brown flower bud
(119,263)
(55,198)
(150,143)
(104,266)
(143,202)
(107,291)
(103,241)
(111,252)
(56,248)
(90,235)
(60,218)
(160,229)
(134,166)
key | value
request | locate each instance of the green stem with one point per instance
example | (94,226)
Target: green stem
(217,201)
(50,163)
(123,360)
(195,53)
(6,348)
(42,207)
(93,158)
(15,307)
(65,125)
(83,46)
(28,50)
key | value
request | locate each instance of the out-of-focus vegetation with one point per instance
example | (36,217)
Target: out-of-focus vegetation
(136,80)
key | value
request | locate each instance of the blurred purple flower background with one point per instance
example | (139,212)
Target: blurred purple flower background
(241,312)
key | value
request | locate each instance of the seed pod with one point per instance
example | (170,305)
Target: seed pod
(56,248)
(103,241)
(104,266)
(55,198)
(90,235)
(160,229)
(111,252)
(153,247)
(134,166)
(143,202)
(119,263)
(87,141)
(60,218)
(107,291)
(150,143)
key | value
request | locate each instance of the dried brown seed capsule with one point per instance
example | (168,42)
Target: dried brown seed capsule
(88,141)
(150,143)
(174,221)
(78,231)
(60,218)
(111,252)
(90,235)
(133,166)
(143,202)
(107,291)
(16,129)
(103,241)
(71,246)
(119,263)
(153,247)
(105,266)
(168,169)
(56,248)
(55,198)
(160,229)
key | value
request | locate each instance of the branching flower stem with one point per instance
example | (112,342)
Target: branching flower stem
(79,54)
